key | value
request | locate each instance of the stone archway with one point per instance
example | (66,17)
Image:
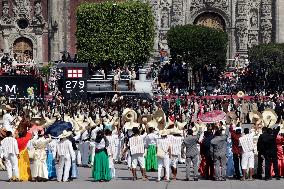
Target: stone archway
(23,48)
(212,20)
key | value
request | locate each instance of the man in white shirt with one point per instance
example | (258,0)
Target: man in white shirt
(8,119)
(10,151)
(164,155)
(66,155)
(137,150)
(246,142)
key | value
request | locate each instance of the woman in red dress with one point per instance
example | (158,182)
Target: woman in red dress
(280,155)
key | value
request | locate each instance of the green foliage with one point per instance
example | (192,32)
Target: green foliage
(45,70)
(198,46)
(121,33)
(268,56)
(267,64)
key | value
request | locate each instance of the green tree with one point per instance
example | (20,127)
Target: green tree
(198,46)
(267,65)
(115,33)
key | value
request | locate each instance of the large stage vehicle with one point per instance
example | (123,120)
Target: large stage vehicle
(18,86)
(79,83)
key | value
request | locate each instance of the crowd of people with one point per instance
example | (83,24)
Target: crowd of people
(156,134)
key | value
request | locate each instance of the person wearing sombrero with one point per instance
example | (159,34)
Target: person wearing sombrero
(101,171)
(164,154)
(176,141)
(66,155)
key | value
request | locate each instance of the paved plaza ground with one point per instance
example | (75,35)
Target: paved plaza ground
(123,181)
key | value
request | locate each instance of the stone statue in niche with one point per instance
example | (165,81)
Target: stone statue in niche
(254,20)
(165,18)
(5,13)
(253,40)
(38,17)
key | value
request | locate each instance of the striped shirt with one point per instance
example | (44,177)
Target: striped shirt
(136,144)
(164,144)
(176,144)
(246,142)
(64,148)
(9,145)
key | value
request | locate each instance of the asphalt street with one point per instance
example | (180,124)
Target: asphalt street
(123,181)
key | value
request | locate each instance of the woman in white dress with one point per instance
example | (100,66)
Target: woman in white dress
(39,170)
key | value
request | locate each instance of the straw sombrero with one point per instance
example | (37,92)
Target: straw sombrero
(65,134)
(240,94)
(254,116)
(269,117)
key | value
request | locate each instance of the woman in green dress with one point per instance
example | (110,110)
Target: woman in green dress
(151,145)
(100,171)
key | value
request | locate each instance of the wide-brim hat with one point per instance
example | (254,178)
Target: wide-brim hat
(153,124)
(254,116)
(240,94)
(145,118)
(231,117)
(97,121)
(176,131)
(65,134)
(38,120)
(8,107)
(181,125)
(163,132)
(269,117)
(128,126)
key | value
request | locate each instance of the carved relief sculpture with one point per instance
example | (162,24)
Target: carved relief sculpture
(38,17)
(5,12)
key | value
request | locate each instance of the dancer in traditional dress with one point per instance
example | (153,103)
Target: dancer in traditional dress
(151,145)
(110,151)
(24,159)
(50,161)
(10,150)
(40,171)
(164,154)
(66,156)
(137,150)
(176,143)
(100,171)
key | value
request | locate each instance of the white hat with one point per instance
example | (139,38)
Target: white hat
(164,132)
(65,134)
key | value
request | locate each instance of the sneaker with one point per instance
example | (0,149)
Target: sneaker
(195,179)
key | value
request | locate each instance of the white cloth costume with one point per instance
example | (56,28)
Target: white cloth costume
(66,156)
(10,150)
(39,168)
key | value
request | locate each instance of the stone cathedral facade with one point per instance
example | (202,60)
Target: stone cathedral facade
(44,28)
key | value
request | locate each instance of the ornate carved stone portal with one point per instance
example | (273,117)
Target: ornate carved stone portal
(248,22)
(211,20)
(23,48)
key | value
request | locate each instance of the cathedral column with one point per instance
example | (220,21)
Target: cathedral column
(53,29)
(279,21)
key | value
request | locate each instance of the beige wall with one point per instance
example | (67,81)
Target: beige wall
(280,21)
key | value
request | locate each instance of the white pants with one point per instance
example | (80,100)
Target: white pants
(111,167)
(93,152)
(79,157)
(166,163)
(129,160)
(174,161)
(247,160)
(11,164)
(135,158)
(84,150)
(64,162)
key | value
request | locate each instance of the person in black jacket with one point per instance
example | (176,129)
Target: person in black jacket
(260,153)
(209,167)
(270,152)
